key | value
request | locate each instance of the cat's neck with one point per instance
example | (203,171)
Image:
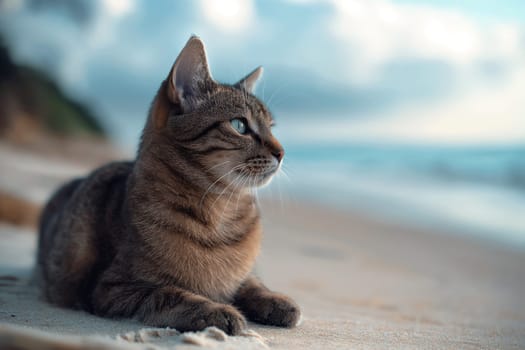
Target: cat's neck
(173,182)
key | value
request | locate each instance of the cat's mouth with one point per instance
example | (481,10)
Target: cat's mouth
(255,176)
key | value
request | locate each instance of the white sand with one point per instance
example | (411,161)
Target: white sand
(362,284)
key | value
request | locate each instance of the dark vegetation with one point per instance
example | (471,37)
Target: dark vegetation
(30,100)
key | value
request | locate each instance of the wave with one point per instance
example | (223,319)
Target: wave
(504,166)
(478,190)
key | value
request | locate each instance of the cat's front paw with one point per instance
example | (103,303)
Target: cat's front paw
(224,317)
(275,310)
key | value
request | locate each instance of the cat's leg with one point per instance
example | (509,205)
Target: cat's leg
(262,305)
(164,306)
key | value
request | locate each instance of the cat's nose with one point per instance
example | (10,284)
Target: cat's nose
(275,149)
(279,154)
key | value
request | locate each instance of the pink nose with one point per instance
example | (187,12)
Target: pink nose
(279,154)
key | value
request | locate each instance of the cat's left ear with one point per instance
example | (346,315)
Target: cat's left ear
(248,82)
(190,79)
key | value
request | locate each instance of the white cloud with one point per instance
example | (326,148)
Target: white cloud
(229,15)
(118,8)
(492,114)
(101,33)
(374,32)
(487,114)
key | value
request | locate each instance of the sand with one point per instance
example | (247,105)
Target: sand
(362,283)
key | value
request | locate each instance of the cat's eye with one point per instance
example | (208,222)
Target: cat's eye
(239,125)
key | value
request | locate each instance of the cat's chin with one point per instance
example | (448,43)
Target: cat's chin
(263,180)
(256,180)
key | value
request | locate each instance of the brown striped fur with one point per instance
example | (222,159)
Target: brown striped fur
(171,237)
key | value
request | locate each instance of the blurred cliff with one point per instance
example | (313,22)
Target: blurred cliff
(33,105)
(37,113)
(37,116)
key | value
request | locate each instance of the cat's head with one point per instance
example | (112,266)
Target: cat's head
(223,130)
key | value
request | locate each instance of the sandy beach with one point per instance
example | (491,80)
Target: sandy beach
(362,283)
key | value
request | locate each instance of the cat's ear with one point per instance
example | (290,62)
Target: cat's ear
(248,82)
(190,79)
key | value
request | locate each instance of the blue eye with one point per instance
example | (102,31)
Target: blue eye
(239,126)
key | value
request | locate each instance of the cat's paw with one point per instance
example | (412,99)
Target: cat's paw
(226,318)
(275,310)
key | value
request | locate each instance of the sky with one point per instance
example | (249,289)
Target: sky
(336,71)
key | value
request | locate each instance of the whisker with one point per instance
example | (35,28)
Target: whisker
(255,193)
(235,183)
(240,166)
(280,191)
(263,88)
(244,179)
(220,178)
(275,93)
(220,194)
(283,172)
(217,165)
(290,194)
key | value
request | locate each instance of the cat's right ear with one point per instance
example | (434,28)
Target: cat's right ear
(190,79)
(248,82)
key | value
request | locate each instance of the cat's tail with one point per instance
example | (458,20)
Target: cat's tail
(18,211)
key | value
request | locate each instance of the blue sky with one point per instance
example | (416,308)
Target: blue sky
(486,10)
(401,71)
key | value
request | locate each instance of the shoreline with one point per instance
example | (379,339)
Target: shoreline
(499,227)
(421,224)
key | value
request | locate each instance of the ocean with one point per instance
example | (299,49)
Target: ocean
(472,190)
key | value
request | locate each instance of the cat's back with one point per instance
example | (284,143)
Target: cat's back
(80,190)
(81,216)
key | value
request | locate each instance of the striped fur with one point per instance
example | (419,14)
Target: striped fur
(171,237)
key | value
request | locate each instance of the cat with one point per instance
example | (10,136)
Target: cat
(171,238)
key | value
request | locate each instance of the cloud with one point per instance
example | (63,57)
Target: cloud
(53,42)
(487,114)
(228,15)
(100,34)
(118,8)
(306,94)
(452,78)
(374,32)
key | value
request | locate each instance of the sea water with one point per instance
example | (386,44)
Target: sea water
(474,190)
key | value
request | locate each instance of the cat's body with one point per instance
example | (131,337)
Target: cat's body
(171,238)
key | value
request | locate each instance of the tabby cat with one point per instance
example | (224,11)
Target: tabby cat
(171,238)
